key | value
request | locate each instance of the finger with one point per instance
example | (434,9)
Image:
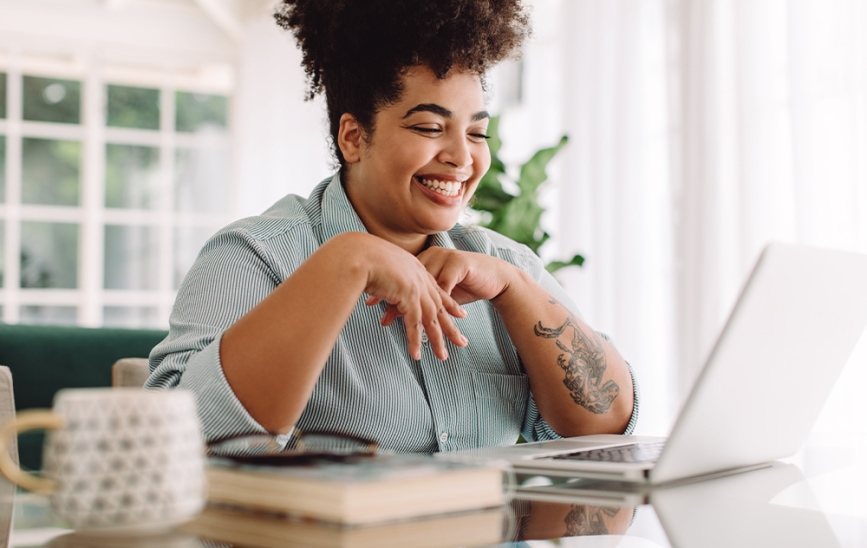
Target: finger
(450,329)
(450,275)
(452,306)
(414,328)
(391,313)
(434,331)
(371,301)
(435,262)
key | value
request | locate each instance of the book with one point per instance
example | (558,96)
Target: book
(255,529)
(359,490)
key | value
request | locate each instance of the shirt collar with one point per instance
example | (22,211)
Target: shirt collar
(338,215)
(440,239)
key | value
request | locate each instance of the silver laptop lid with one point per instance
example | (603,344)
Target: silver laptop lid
(789,335)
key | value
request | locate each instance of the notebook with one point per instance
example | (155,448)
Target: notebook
(791,331)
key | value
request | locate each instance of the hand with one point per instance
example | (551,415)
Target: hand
(399,279)
(467,276)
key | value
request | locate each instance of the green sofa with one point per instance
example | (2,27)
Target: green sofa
(43,359)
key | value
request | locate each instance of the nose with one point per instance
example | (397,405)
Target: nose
(456,152)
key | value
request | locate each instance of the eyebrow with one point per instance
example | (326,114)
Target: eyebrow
(443,111)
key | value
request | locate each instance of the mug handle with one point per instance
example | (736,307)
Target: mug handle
(24,421)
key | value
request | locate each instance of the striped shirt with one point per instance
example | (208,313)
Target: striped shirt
(370,386)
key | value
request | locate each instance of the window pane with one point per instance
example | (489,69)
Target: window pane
(133,107)
(130,257)
(2,95)
(188,243)
(52,100)
(49,255)
(55,315)
(201,180)
(197,111)
(131,176)
(2,168)
(50,172)
(131,317)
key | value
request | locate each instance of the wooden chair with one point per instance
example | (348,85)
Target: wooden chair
(7,488)
(130,372)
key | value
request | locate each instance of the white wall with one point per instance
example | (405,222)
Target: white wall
(172,33)
(280,139)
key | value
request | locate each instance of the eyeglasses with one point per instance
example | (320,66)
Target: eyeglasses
(301,447)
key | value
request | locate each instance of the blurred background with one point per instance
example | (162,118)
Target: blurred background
(130,130)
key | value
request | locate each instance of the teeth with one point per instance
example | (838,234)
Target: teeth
(446,188)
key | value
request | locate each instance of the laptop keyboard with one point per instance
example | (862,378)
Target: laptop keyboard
(634,453)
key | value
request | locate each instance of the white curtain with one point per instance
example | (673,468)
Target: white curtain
(702,129)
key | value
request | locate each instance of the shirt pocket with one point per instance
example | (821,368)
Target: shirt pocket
(501,401)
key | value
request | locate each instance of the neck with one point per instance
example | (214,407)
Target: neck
(411,243)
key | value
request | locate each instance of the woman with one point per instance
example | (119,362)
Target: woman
(366,309)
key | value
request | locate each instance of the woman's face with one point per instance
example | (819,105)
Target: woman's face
(416,173)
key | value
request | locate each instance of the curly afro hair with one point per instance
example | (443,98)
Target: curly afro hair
(356,51)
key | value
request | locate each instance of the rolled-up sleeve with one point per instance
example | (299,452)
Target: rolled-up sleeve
(229,278)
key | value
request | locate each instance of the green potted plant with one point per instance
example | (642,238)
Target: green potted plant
(517,216)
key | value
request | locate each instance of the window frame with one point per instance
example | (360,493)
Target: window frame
(90,298)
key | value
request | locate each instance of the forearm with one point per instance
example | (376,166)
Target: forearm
(274,354)
(579,381)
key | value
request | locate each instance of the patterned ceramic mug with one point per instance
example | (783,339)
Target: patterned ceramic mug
(116,458)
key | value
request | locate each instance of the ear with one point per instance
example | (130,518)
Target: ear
(350,138)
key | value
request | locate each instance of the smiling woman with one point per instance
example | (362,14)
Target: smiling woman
(366,309)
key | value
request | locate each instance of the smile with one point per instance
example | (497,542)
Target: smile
(446,188)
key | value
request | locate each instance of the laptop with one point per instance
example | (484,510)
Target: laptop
(798,317)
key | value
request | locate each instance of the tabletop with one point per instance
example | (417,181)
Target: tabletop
(812,499)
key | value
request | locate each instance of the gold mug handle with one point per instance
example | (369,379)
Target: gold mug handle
(24,421)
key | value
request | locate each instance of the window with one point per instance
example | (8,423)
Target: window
(110,182)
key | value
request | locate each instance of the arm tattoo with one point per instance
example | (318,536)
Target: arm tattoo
(587,520)
(583,360)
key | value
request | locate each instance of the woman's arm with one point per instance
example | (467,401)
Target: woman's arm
(274,354)
(579,381)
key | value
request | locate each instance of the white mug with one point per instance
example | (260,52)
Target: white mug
(116,458)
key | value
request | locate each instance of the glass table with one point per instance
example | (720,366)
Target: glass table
(813,499)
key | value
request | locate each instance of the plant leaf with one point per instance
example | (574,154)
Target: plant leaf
(533,172)
(490,199)
(554,266)
(519,220)
(517,217)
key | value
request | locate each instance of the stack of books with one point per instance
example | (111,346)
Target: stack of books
(379,500)
(262,530)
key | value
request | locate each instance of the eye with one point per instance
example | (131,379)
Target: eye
(426,130)
(479,137)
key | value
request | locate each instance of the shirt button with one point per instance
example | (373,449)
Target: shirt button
(424,338)
(444,437)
